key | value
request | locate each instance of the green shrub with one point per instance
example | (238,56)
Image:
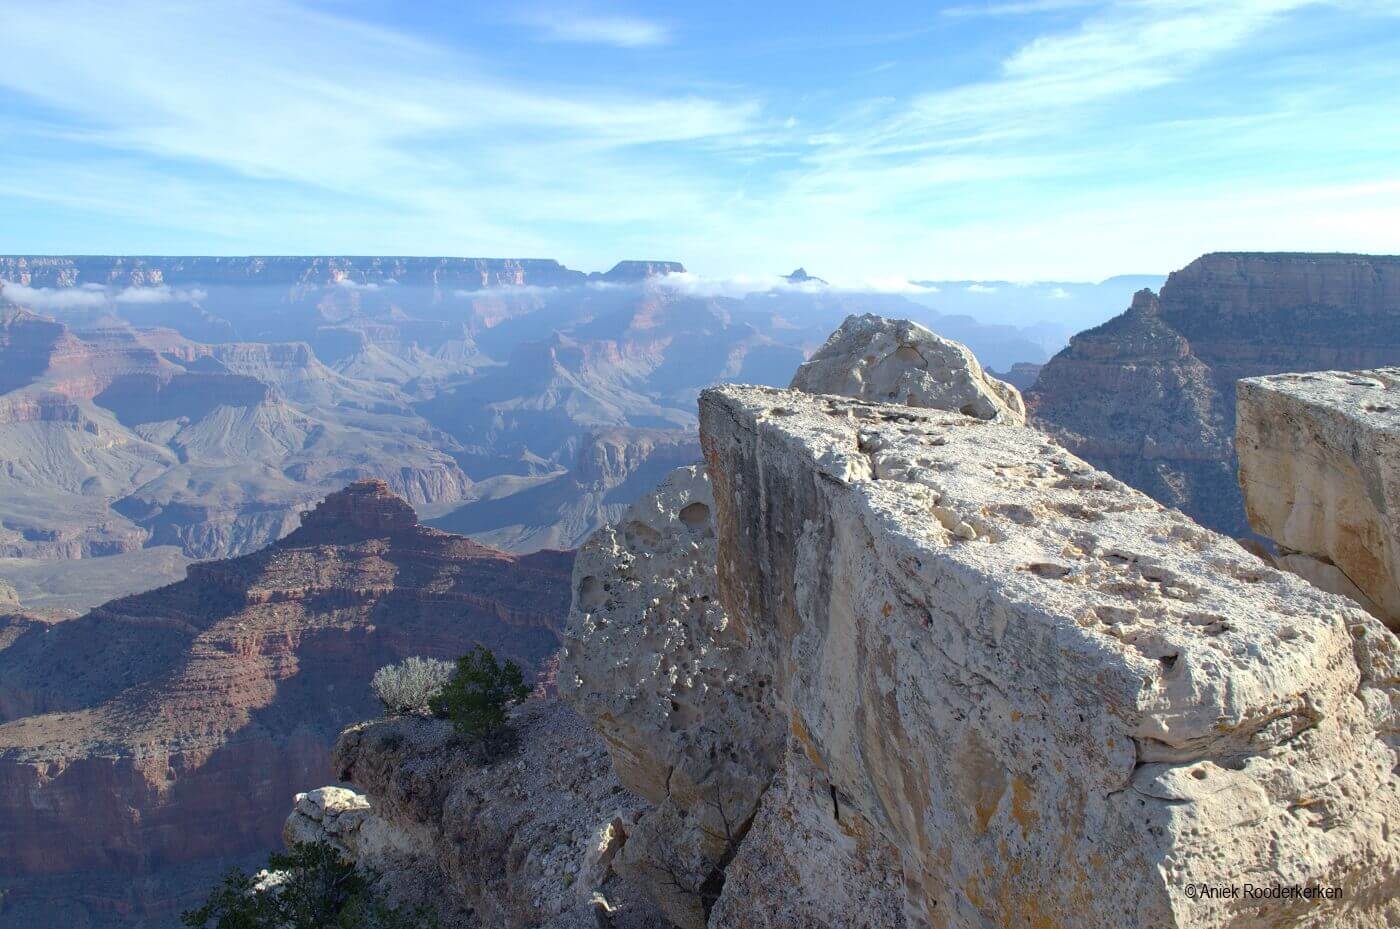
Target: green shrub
(310,887)
(479,693)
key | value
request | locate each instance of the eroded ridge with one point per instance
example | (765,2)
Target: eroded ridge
(1063,703)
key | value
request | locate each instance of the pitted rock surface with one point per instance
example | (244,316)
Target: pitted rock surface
(1060,702)
(649,660)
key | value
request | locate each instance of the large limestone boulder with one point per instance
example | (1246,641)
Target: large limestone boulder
(1320,469)
(1061,703)
(898,361)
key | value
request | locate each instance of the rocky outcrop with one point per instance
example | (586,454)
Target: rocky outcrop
(652,659)
(1150,395)
(161,734)
(626,271)
(1059,702)
(898,361)
(1320,469)
(526,840)
(363,510)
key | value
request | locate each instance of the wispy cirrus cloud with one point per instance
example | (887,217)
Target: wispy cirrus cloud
(1007,151)
(1018,7)
(557,25)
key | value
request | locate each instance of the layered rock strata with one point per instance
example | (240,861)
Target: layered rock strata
(898,361)
(1060,703)
(164,731)
(1150,396)
(1320,469)
(114,438)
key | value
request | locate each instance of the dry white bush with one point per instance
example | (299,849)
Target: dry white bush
(407,687)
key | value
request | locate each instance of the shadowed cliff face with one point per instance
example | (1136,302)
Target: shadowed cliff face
(164,731)
(1150,395)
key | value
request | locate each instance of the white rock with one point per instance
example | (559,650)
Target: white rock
(328,814)
(1320,468)
(898,361)
(1073,717)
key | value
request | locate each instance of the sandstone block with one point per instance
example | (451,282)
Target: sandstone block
(1320,470)
(1060,703)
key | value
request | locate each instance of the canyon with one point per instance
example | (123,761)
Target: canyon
(149,743)
(885,655)
(1150,395)
(192,407)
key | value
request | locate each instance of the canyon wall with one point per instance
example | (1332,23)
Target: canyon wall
(1320,469)
(1149,396)
(162,732)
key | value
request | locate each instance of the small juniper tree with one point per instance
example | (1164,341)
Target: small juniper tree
(479,693)
(410,685)
(232,905)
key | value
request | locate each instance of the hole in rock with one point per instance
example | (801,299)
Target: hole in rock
(590,593)
(695,515)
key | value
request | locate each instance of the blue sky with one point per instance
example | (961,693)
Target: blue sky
(1013,139)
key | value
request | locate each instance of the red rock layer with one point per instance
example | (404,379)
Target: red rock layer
(170,728)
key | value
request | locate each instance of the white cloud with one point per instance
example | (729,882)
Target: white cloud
(281,94)
(1058,293)
(160,293)
(1023,8)
(52,298)
(980,289)
(619,31)
(323,134)
(741,285)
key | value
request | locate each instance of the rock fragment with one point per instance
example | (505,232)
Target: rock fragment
(898,361)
